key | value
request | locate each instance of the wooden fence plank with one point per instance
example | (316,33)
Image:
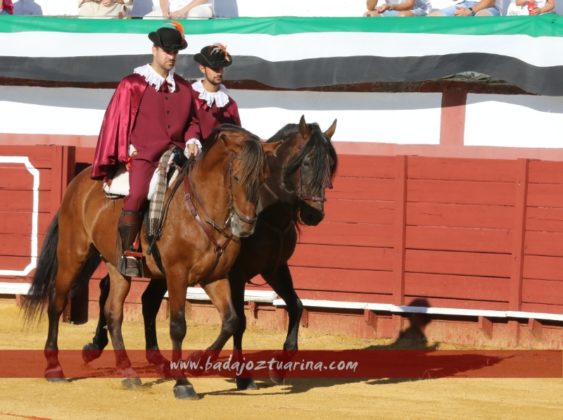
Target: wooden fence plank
(458,239)
(461,169)
(346,257)
(462,263)
(339,233)
(460,192)
(459,215)
(457,287)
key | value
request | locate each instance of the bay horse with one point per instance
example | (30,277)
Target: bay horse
(197,245)
(294,193)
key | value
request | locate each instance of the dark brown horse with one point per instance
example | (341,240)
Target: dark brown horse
(197,245)
(294,193)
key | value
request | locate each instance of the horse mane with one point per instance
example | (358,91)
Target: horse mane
(323,157)
(252,156)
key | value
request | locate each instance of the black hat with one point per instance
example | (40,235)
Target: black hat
(169,37)
(214,56)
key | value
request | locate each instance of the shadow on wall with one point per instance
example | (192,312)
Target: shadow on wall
(27,7)
(414,336)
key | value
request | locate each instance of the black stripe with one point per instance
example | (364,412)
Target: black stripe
(308,73)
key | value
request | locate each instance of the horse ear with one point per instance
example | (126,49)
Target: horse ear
(270,149)
(303,127)
(330,131)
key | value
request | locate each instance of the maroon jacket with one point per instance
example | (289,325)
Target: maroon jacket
(210,117)
(120,118)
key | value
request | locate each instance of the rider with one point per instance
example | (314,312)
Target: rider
(213,105)
(151,111)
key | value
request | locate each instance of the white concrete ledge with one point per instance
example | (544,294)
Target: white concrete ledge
(266,296)
(14,288)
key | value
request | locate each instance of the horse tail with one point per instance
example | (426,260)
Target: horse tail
(46,270)
(44,276)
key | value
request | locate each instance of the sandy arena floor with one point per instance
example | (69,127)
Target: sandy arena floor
(318,399)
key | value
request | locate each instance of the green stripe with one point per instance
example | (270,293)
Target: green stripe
(546,25)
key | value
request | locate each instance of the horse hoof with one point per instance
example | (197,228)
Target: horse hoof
(91,352)
(185,392)
(55,374)
(131,383)
(277,378)
(246,384)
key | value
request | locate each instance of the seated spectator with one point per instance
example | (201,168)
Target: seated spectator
(104,8)
(6,7)
(398,8)
(181,9)
(467,8)
(521,8)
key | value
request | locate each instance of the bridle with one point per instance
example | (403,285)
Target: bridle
(193,202)
(326,183)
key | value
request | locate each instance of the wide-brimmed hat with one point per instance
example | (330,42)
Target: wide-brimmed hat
(214,56)
(169,37)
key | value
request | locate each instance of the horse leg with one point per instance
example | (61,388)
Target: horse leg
(237,284)
(57,303)
(219,291)
(183,389)
(119,288)
(151,300)
(281,282)
(73,252)
(94,349)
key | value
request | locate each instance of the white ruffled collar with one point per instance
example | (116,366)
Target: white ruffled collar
(220,98)
(155,79)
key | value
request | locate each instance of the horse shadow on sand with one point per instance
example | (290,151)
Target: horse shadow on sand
(408,358)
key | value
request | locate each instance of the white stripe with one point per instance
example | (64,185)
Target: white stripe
(197,293)
(362,116)
(386,307)
(34,214)
(537,51)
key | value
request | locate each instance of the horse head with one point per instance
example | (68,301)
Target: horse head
(306,166)
(243,157)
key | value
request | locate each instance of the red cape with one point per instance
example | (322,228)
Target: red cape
(118,122)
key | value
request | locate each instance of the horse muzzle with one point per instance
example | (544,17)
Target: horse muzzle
(242,227)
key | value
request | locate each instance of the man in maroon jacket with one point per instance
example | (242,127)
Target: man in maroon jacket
(213,105)
(150,112)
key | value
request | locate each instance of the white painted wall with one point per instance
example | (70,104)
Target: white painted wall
(514,120)
(402,118)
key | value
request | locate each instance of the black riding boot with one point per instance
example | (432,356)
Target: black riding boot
(130,261)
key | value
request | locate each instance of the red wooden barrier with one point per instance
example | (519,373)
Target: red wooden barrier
(460,233)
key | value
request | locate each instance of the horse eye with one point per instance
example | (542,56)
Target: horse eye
(236,178)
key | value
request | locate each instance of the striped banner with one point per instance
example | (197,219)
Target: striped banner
(293,53)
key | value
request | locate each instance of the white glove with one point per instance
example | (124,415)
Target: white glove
(193,148)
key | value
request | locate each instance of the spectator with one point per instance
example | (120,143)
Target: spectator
(213,105)
(181,9)
(522,8)
(398,8)
(6,7)
(104,8)
(468,8)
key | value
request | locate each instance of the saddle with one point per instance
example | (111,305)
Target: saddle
(167,172)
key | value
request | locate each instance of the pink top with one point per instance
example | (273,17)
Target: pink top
(8,6)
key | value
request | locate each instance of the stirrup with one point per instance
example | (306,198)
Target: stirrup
(131,266)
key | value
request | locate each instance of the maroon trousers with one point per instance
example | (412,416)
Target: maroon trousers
(140,173)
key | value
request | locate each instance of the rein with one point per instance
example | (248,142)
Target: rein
(189,195)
